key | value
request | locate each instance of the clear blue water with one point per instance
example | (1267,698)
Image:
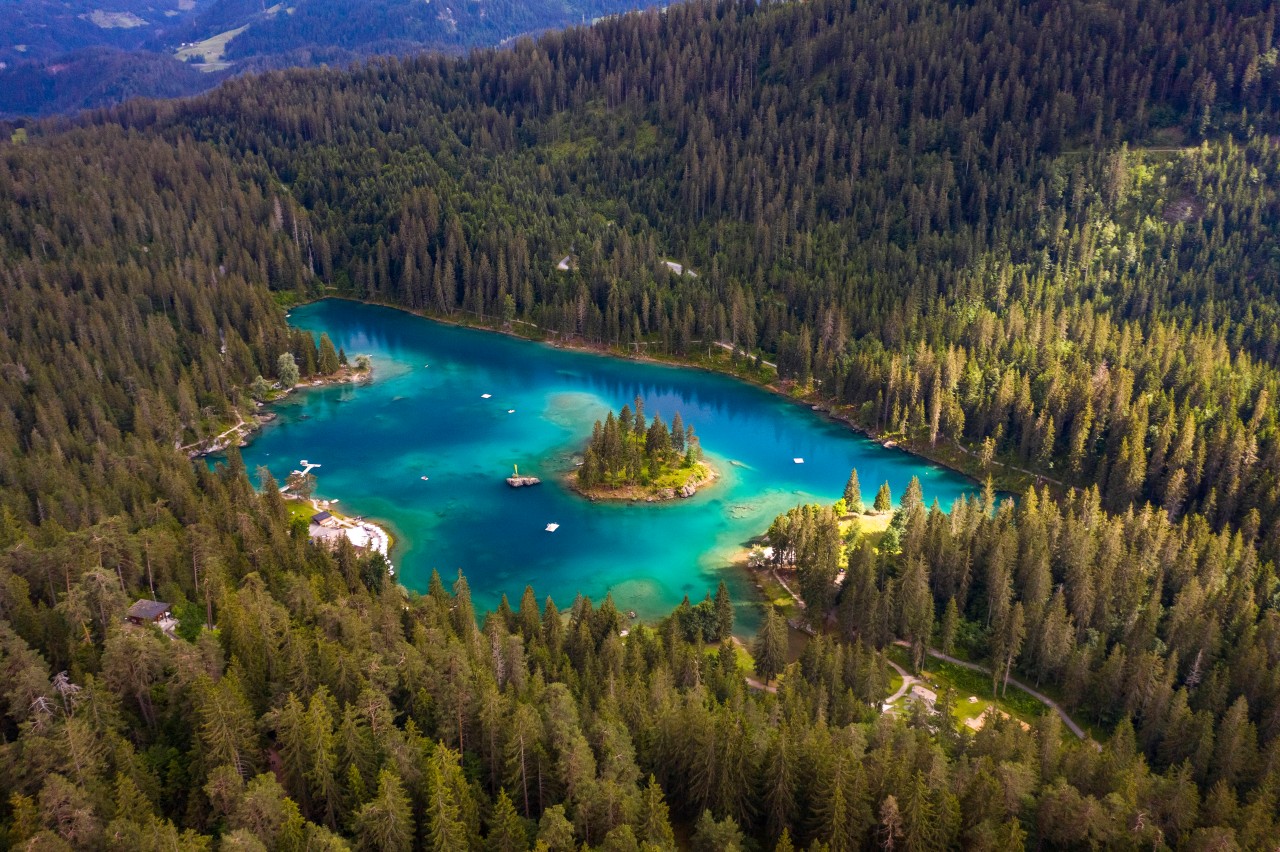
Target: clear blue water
(424,415)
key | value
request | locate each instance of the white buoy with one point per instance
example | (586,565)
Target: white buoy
(552,527)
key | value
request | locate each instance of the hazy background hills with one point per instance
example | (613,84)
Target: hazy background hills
(65,55)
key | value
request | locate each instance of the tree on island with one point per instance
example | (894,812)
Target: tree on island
(623,450)
(853,494)
(884,499)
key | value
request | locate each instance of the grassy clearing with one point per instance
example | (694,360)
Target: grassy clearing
(743,661)
(299,510)
(212,51)
(773,593)
(966,683)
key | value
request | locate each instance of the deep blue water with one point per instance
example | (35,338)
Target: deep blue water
(424,415)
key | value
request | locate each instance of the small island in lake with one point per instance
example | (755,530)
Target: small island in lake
(629,459)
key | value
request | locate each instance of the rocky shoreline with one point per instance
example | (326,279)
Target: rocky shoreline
(238,435)
(645,493)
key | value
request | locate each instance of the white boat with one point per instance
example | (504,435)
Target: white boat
(552,527)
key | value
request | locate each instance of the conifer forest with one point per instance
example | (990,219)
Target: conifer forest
(1039,236)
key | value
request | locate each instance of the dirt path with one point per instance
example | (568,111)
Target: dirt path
(214,440)
(1040,477)
(755,683)
(783,583)
(1038,696)
(729,347)
(908,680)
(752,681)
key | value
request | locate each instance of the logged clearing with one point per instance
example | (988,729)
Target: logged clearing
(211,50)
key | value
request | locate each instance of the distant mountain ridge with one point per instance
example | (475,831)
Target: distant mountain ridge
(59,57)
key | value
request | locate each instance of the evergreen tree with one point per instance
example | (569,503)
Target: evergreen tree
(328,362)
(385,823)
(445,828)
(506,829)
(724,613)
(770,649)
(884,499)
(947,630)
(652,824)
(853,494)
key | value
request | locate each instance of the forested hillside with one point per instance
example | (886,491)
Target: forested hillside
(1041,233)
(62,56)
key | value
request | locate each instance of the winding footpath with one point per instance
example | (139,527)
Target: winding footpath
(908,680)
(729,348)
(206,445)
(1038,696)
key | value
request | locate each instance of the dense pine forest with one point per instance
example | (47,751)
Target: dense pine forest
(1040,233)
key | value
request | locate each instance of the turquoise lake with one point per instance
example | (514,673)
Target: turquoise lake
(425,414)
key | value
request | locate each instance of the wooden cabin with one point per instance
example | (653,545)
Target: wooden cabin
(147,612)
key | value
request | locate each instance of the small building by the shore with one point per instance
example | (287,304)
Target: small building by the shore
(324,519)
(147,612)
(333,534)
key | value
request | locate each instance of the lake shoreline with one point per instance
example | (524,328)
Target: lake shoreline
(823,407)
(635,578)
(380,538)
(642,493)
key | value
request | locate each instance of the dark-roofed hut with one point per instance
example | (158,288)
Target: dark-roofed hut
(324,519)
(147,612)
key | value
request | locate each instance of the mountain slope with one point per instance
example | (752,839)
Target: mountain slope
(60,57)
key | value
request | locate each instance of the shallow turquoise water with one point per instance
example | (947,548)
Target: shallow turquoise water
(424,415)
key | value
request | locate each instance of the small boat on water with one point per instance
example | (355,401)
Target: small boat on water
(552,527)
